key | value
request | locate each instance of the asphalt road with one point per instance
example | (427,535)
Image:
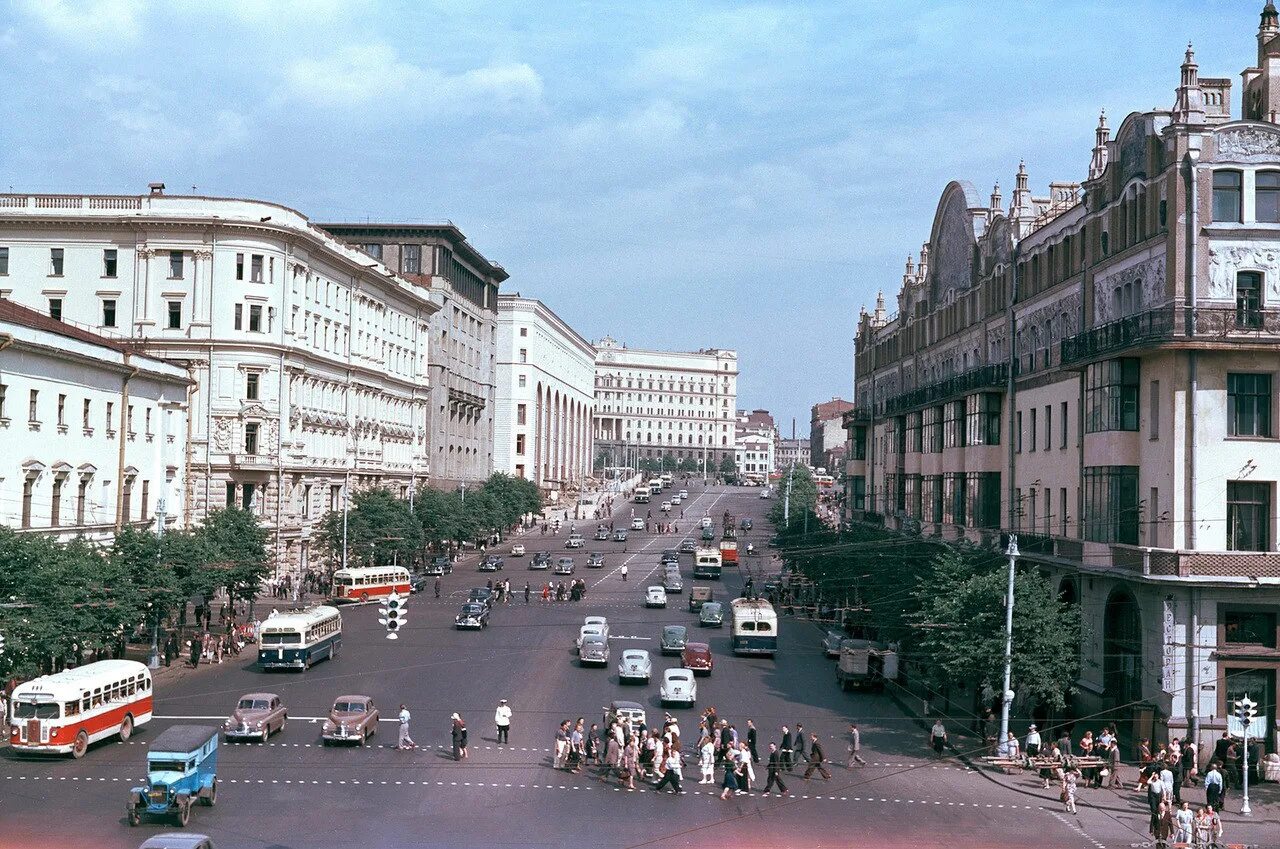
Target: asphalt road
(293,792)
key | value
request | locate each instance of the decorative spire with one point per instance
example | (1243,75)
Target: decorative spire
(1021,206)
(1098,164)
(1189,107)
(1270,19)
(923,268)
(997,201)
(911,268)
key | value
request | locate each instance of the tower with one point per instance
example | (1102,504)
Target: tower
(1098,164)
(1189,107)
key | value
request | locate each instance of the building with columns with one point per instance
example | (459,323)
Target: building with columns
(462,338)
(309,357)
(545,395)
(1096,370)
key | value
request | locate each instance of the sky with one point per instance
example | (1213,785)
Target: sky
(677,175)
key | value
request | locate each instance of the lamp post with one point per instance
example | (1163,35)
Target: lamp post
(1006,695)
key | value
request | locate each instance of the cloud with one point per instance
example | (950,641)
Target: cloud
(87,21)
(144,120)
(360,74)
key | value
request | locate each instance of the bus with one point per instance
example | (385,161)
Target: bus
(369,583)
(63,713)
(655,486)
(706,563)
(825,483)
(297,640)
(729,552)
(641,495)
(755,627)
(667,479)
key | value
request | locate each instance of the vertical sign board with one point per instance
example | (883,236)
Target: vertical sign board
(1170,651)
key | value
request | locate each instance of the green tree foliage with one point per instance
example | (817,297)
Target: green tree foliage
(381,529)
(728,467)
(234,542)
(803,498)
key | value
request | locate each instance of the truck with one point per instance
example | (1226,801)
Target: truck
(182,768)
(864,663)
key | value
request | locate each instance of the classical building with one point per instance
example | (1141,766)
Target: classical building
(1096,370)
(545,396)
(793,451)
(309,357)
(826,433)
(462,342)
(95,433)
(677,405)
(755,445)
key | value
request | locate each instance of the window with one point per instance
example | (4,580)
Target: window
(1111,395)
(1153,410)
(1248,299)
(4,390)
(524,355)
(1019,434)
(175,265)
(1266,197)
(411,259)
(110,417)
(108,312)
(84,418)
(4,262)
(231,494)
(110,263)
(953,498)
(1062,511)
(55,309)
(1248,516)
(251,438)
(175,315)
(522,413)
(255,268)
(520,444)
(374,250)
(1063,426)
(524,331)
(1249,404)
(33,405)
(953,430)
(239,316)
(62,411)
(1034,428)
(251,386)
(55,262)
(1249,627)
(933,418)
(1111,504)
(306,501)
(523,381)
(255,318)
(239,266)
(1226,195)
(247,501)
(1048,426)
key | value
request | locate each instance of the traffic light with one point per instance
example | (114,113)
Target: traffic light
(1246,710)
(393,614)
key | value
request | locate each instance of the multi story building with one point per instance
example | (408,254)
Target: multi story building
(545,395)
(755,444)
(826,433)
(668,404)
(793,451)
(462,342)
(1096,370)
(95,433)
(309,357)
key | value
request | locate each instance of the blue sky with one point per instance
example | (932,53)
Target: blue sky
(675,174)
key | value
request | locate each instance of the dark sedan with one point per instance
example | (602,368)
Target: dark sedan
(491,563)
(472,616)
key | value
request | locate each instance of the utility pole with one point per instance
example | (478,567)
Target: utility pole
(346,503)
(153,659)
(786,501)
(1006,695)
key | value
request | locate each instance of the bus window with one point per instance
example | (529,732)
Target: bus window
(84,703)
(71,708)
(762,626)
(748,626)
(32,710)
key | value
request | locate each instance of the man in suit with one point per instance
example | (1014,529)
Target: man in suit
(751,742)
(785,746)
(776,764)
(815,759)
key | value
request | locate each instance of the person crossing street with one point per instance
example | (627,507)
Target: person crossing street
(815,759)
(775,767)
(502,719)
(404,741)
(855,746)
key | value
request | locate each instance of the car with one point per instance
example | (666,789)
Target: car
(711,615)
(684,493)
(491,563)
(666,507)
(699,596)
(745,524)
(473,616)
(481,595)
(418,583)
(672,582)
(637,524)
(708,535)
(597,620)
(634,666)
(439,566)
(257,716)
(764,493)
(595,560)
(621,709)
(178,840)
(674,638)
(705,522)
(517,550)
(687,546)
(602,533)
(831,643)
(655,597)
(620,535)
(676,499)
(574,541)
(678,687)
(697,658)
(593,650)
(541,560)
(592,630)
(353,719)
(670,555)
(564,566)
(182,767)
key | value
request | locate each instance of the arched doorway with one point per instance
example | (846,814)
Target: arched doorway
(1122,648)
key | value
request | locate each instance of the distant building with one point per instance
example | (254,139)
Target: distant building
(826,434)
(756,442)
(792,451)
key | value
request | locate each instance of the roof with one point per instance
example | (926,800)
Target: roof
(71,680)
(15,313)
(183,738)
(448,231)
(831,409)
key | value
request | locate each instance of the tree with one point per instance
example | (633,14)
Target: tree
(728,467)
(381,530)
(233,542)
(438,514)
(802,497)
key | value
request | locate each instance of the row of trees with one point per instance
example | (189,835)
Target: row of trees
(64,601)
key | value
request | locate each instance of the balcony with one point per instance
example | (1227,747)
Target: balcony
(985,377)
(1215,324)
(1176,563)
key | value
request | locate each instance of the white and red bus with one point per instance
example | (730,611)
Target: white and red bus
(65,712)
(370,583)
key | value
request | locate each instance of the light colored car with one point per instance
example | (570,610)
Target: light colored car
(676,499)
(594,649)
(684,493)
(687,546)
(517,550)
(353,719)
(182,840)
(655,597)
(666,507)
(705,523)
(598,620)
(257,716)
(595,560)
(620,535)
(622,709)
(678,687)
(674,638)
(602,533)
(764,493)
(711,615)
(635,666)
(586,631)
(637,524)
(831,643)
(575,541)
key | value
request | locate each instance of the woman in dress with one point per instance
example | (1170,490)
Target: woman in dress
(730,783)
(707,760)
(1070,781)
(631,761)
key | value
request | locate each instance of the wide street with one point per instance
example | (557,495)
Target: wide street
(293,792)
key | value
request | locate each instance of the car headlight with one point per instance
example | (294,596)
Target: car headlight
(328,725)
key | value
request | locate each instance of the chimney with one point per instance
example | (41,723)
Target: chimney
(156,189)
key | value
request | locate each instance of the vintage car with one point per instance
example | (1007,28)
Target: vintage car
(441,564)
(597,620)
(678,687)
(666,507)
(745,524)
(673,639)
(602,533)
(672,582)
(676,499)
(178,840)
(541,560)
(575,541)
(418,582)
(705,522)
(832,641)
(491,563)
(670,555)
(637,524)
(257,716)
(592,630)
(564,566)
(481,595)
(353,719)
(708,535)
(620,535)
(699,596)
(634,666)
(684,493)
(593,650)
(473,616)
(595,560)
(655,597)
(517,550)
(687,546)
(697,658)
(711,615)
(182,767)
(622,709)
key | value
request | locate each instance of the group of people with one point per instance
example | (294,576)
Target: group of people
(575,590)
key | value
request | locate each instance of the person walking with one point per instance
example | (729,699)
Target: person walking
(1155,798)
(730,783)
(623,570)
(631,761)
(437,587)
(527,591)
(707,760)
(748,771)
(502,719)
(672,776)
(1033,742)
(404,741)
(456,735)
(938,736)
(774,769)
(815,759)
(195,652)
(855,746)
(797,746)
(1113,765)
(751,742)
(784,750)
(1070,781)
(562,746)
(1185,818)
(1213,787)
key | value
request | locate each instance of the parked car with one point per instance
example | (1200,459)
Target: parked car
(672,582)
(575,540)
(655,597)
(687,546)
(637,524)
(670,555)
(620,535)
(602,533)
(711,615)
(564,566)
(678,687)
(595,560)
(745,524)
(517,550)
(594,650)
(831,643)
(473,616)
(623,709)
(491,563)
(634,666)
(182,767)
(256,716)
(481,595)
(353,719)
(541,560)
(697,658)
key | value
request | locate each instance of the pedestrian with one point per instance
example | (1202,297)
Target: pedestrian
(855,746)
(631,761)
(527,590)
(546,593)
(751,742)
(562,745)
(815,759)
(749,772)
(1033,742)
(405,741)
(1070,781)
(455,735)
(797,746)
(575,748)
(195,652)
(1185,818)
(1155,798)
(774,769)
(938,736)
(1113,765)
(592,744)
(730,783)
(623,570)
(502,719)
(1213,786)
(707,760)
(672,775)
(612,758)
(437,587)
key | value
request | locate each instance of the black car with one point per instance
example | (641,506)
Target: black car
(620,535)
(595,560)
(708,535)
(541,560)
(687,546)
(418,582)
(670,556)
(491,563)
(745,524)
(481,595)
(472,615)
(440,565)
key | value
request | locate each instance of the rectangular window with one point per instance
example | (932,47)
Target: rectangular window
(953,498)
(1249,299)
(175,265)
(1062,511)
(859,493)
(523,381)
(62,411)
(306,501)
(1248,516)
(55,262)
(55,309)
(1063,425)
(33,405)
(411,259)
(1249,404)
(522,413)
(374,250)
(239,266)
(1111,509)
(251,438)
(1034,430)
(953,424)
(1249,627)
(4,262)
(251,386)
(520,444)
(986,501)
(109,418)
(255,318)
(4,390)
(175,315)
(110,262)
(247,492)
(108,312)
(239,322)
(1153,411)
(933,425)
(524,355)
(1048,426)
(255,268)
(1226,195)
(1111,395)
(231,494)
(145,512)
(1019,434)
(900,435)
(84,419)
(1266,197)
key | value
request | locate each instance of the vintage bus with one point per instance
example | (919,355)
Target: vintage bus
(369,583)
(706,563)
(755,627)
(65,712)
(641,495)
(297,640)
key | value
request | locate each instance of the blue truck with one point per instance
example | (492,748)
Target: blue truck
(182,768)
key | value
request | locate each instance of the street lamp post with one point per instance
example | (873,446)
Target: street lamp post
(1006,695)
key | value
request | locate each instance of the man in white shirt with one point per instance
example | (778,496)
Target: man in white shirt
(1033,742)
(405,741)
(502,719)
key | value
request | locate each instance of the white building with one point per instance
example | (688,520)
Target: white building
(672,404)
(754,456)
(94,433)
(310,357)
(546,379)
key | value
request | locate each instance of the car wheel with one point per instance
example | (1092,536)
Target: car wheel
(212,798)
(184,815)
(364,737)
(266,734)
(126,728)
(80,746)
